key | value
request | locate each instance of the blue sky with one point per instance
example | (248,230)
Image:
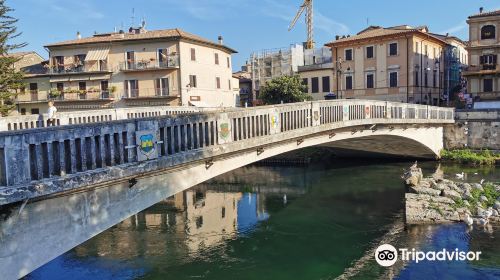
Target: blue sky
(247,25)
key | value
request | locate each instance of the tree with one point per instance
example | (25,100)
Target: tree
(286,89)
(10,79)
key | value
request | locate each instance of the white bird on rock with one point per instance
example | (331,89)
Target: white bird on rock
(468,220)
(460,175)
(487,213)
(284,199)
(482,221)
(481,182)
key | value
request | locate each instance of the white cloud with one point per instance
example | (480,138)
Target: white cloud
(455,29)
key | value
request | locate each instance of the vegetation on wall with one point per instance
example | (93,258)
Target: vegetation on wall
(484,157)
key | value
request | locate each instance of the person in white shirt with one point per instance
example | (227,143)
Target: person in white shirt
(51,112)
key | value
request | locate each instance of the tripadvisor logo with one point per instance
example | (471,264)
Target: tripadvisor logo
(387,255)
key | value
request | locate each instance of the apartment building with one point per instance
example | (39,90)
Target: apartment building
(400,63)
(483,73)
(135,68)
(317,72)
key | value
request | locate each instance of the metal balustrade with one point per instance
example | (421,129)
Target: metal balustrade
(111,138)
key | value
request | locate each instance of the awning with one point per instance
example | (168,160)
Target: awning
(200,104)
(97,54)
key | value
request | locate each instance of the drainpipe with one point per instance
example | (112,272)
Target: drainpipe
(407,69)
(337,71)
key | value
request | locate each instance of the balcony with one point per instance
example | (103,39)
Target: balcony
(482,69)
(147,93)
(78,68)
(171,62)
(79,95)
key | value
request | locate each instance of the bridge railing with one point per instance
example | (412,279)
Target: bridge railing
(22,122)
(37,155)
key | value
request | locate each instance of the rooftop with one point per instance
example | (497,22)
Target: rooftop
(486,14)
(378,31)
(173,34)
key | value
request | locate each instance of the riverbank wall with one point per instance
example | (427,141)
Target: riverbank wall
(474,129)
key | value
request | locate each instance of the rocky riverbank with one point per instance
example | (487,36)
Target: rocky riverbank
(434,200)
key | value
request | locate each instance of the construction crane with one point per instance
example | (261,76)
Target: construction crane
(308,7)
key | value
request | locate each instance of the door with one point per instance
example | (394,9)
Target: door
(162,86)
(130,56)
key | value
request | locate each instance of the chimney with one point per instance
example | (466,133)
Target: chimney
(337,37)
(78,35)
(447,34)
(481,10)
(221,40)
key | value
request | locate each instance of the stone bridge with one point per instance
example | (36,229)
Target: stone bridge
(65,184)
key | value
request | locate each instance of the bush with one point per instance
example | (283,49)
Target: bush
(484,157)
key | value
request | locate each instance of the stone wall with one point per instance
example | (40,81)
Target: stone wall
(474,129)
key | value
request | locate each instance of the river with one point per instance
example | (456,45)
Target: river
(316,222)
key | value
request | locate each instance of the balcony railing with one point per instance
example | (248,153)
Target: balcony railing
(78,68)
(81,95)
(146,92)
(171,61)
(34,95)
(482,67)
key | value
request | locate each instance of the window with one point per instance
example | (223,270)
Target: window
(417,82)
(305,82)
(79,59)
(217,81)
(487,85)
(369,52)
(348,82)
(130,56)
(393,49)
(58,63)
(369,80)
(82,86)
(315,85)
(35,111)
(223,212)
(229,83)
(326,84)
(162,87)
(193,54)
(131,88)
(348,54)
(23,111)
(34,88)
(199,221)
(216,59)
(60,87)
(162,57)
(393,79)
(192,81)
(488,32)
(104,89)
(488,61)
(426,52)
(228,62)
(426,80)
(416,46)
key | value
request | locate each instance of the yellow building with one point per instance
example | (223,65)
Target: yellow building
(401,63)
(483,73)
(135,68)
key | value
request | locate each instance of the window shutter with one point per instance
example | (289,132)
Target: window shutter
(494,59)
(481,59)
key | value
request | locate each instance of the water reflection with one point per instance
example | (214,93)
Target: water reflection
(237,226)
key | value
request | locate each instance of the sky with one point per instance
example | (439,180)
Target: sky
(246,25)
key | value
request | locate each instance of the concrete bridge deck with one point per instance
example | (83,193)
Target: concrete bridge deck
(44,161)
(63,185)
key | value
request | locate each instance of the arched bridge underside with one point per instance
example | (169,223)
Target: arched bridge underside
(66,208)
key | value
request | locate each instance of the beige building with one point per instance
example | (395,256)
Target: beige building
(401,63)
(135,68)
(483,73)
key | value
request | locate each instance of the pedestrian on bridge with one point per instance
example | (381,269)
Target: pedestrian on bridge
(51,112)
